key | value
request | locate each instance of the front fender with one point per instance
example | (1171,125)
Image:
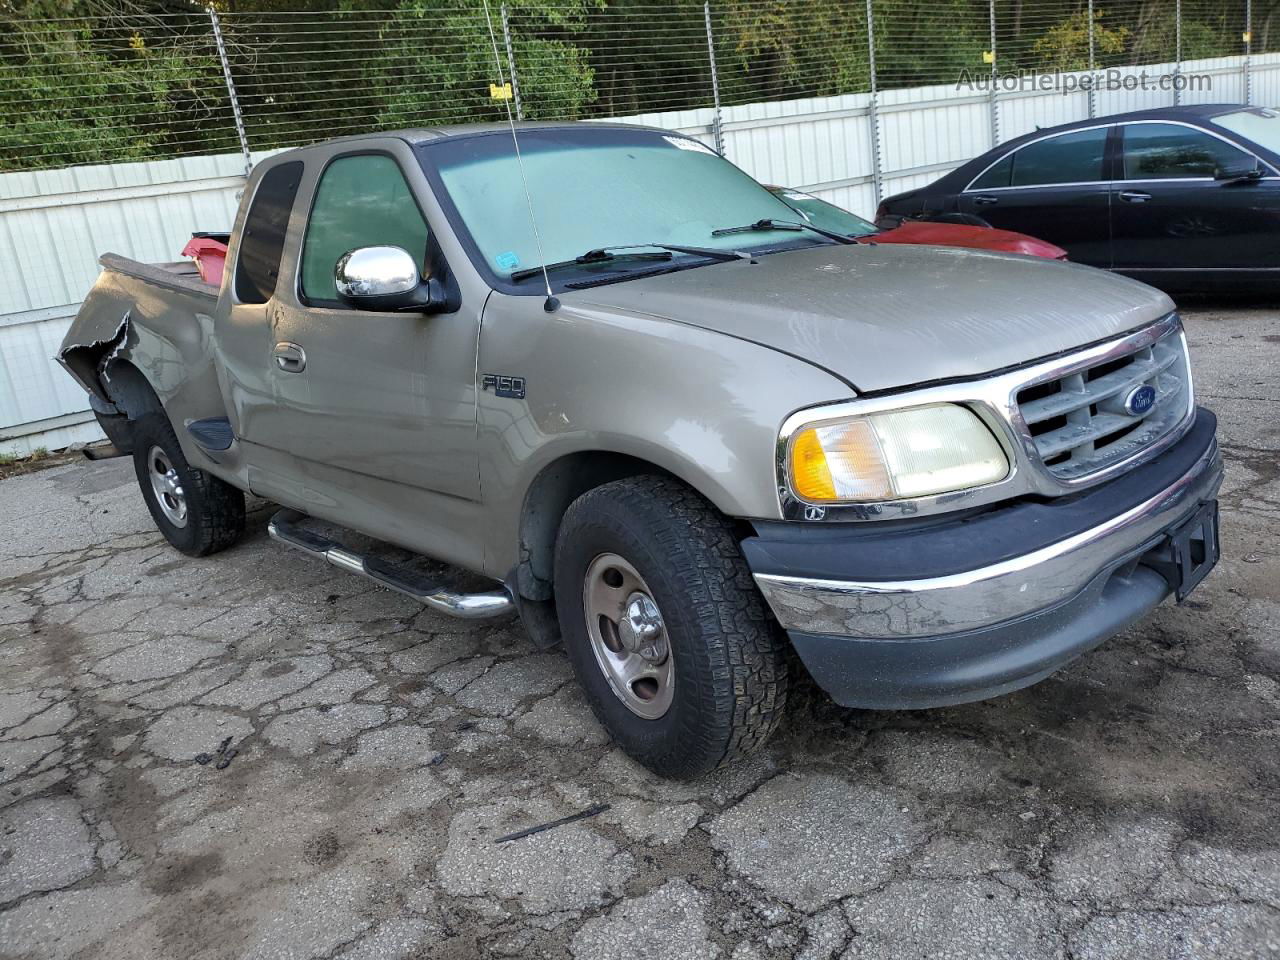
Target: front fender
(700,405)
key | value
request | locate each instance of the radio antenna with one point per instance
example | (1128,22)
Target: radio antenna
(551,304)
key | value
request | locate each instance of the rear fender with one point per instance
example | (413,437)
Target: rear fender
(136,347)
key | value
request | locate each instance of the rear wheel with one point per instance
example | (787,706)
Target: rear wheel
(665,628)
(197,513)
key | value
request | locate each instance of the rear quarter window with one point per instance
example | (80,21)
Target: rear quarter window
(1067,158)
(262,237)
(997,175)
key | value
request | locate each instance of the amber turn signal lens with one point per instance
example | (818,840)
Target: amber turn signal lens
(894,455)
(809,472)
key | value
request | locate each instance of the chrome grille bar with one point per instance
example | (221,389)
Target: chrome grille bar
(1079,423)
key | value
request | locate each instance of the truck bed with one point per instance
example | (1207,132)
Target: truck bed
(181,275)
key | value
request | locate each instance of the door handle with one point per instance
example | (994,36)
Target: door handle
(1133,196)
(290,357)
(983,200)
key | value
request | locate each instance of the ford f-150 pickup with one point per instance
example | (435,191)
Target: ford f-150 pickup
(622,391)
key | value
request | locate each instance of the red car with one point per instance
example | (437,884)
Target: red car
(938,233)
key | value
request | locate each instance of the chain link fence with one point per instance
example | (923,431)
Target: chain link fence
(139,84)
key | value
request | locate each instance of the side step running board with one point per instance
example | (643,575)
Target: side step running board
(468,606)
(213,433)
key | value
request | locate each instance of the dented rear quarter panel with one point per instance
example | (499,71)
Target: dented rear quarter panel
(166,335)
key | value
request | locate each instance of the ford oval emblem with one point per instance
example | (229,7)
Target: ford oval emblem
(1140,400)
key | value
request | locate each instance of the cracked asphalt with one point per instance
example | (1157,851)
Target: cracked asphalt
(256,755)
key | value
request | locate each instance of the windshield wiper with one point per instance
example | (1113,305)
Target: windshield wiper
(769,224)
(606,255)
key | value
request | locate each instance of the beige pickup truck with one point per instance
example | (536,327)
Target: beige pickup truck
(658,415)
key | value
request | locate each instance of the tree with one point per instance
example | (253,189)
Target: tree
(1065,45)
(86,82)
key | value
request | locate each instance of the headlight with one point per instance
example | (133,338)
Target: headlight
(893,455)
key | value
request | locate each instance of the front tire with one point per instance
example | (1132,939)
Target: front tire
(197,513)
(665,628)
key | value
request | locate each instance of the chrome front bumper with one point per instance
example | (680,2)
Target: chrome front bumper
(929,608)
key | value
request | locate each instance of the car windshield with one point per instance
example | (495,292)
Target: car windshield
(825,215)
(1261,126)
(596,187)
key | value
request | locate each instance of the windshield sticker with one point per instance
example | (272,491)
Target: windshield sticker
(507,260)
(686,143)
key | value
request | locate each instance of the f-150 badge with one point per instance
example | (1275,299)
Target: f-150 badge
(502,386)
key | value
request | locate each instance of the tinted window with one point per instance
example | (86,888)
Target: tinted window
(997,176)
(822,214)
(1069,158)
(362,201)
(262,239)
(1166,150)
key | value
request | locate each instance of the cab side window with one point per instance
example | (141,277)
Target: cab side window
(1169,151)
(262,237)
(361,201)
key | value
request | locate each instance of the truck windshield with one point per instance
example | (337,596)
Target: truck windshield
(592,188)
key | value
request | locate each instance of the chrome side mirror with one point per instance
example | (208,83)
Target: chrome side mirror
(380,278)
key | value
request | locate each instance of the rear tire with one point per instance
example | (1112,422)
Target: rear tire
(197,513)
(713,677)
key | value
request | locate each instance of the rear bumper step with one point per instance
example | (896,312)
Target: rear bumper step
(284,526)
(103,451)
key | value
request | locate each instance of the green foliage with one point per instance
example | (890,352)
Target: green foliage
(1065,45)
(87,81)
(920,42)
(789,49)
(436,61)
(68,95)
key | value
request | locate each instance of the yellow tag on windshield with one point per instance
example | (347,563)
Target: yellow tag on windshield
(497,92)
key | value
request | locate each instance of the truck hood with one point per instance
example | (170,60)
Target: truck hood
(881,316)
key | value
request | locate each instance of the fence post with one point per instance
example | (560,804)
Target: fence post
(1248,50)
(1177,46)
(991,94)
(873,109)
(1093,66)
(511,63)
(717,124)
(231,89)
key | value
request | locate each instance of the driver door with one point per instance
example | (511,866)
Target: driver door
(375,409)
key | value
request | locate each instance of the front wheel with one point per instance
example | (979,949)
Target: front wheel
(197,513)
(665,628)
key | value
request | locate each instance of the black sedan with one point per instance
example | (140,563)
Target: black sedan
(1185,198)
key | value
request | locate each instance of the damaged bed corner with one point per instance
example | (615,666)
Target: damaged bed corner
(87,363)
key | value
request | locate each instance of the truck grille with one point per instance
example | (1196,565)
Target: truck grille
(1079,422)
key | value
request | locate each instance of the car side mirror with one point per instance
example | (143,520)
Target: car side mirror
(1237,174)
(383,279)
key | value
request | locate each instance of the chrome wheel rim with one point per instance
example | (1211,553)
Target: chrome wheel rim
(628,636)
(167,487)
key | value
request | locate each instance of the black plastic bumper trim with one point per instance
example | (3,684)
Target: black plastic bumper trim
(961,668)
